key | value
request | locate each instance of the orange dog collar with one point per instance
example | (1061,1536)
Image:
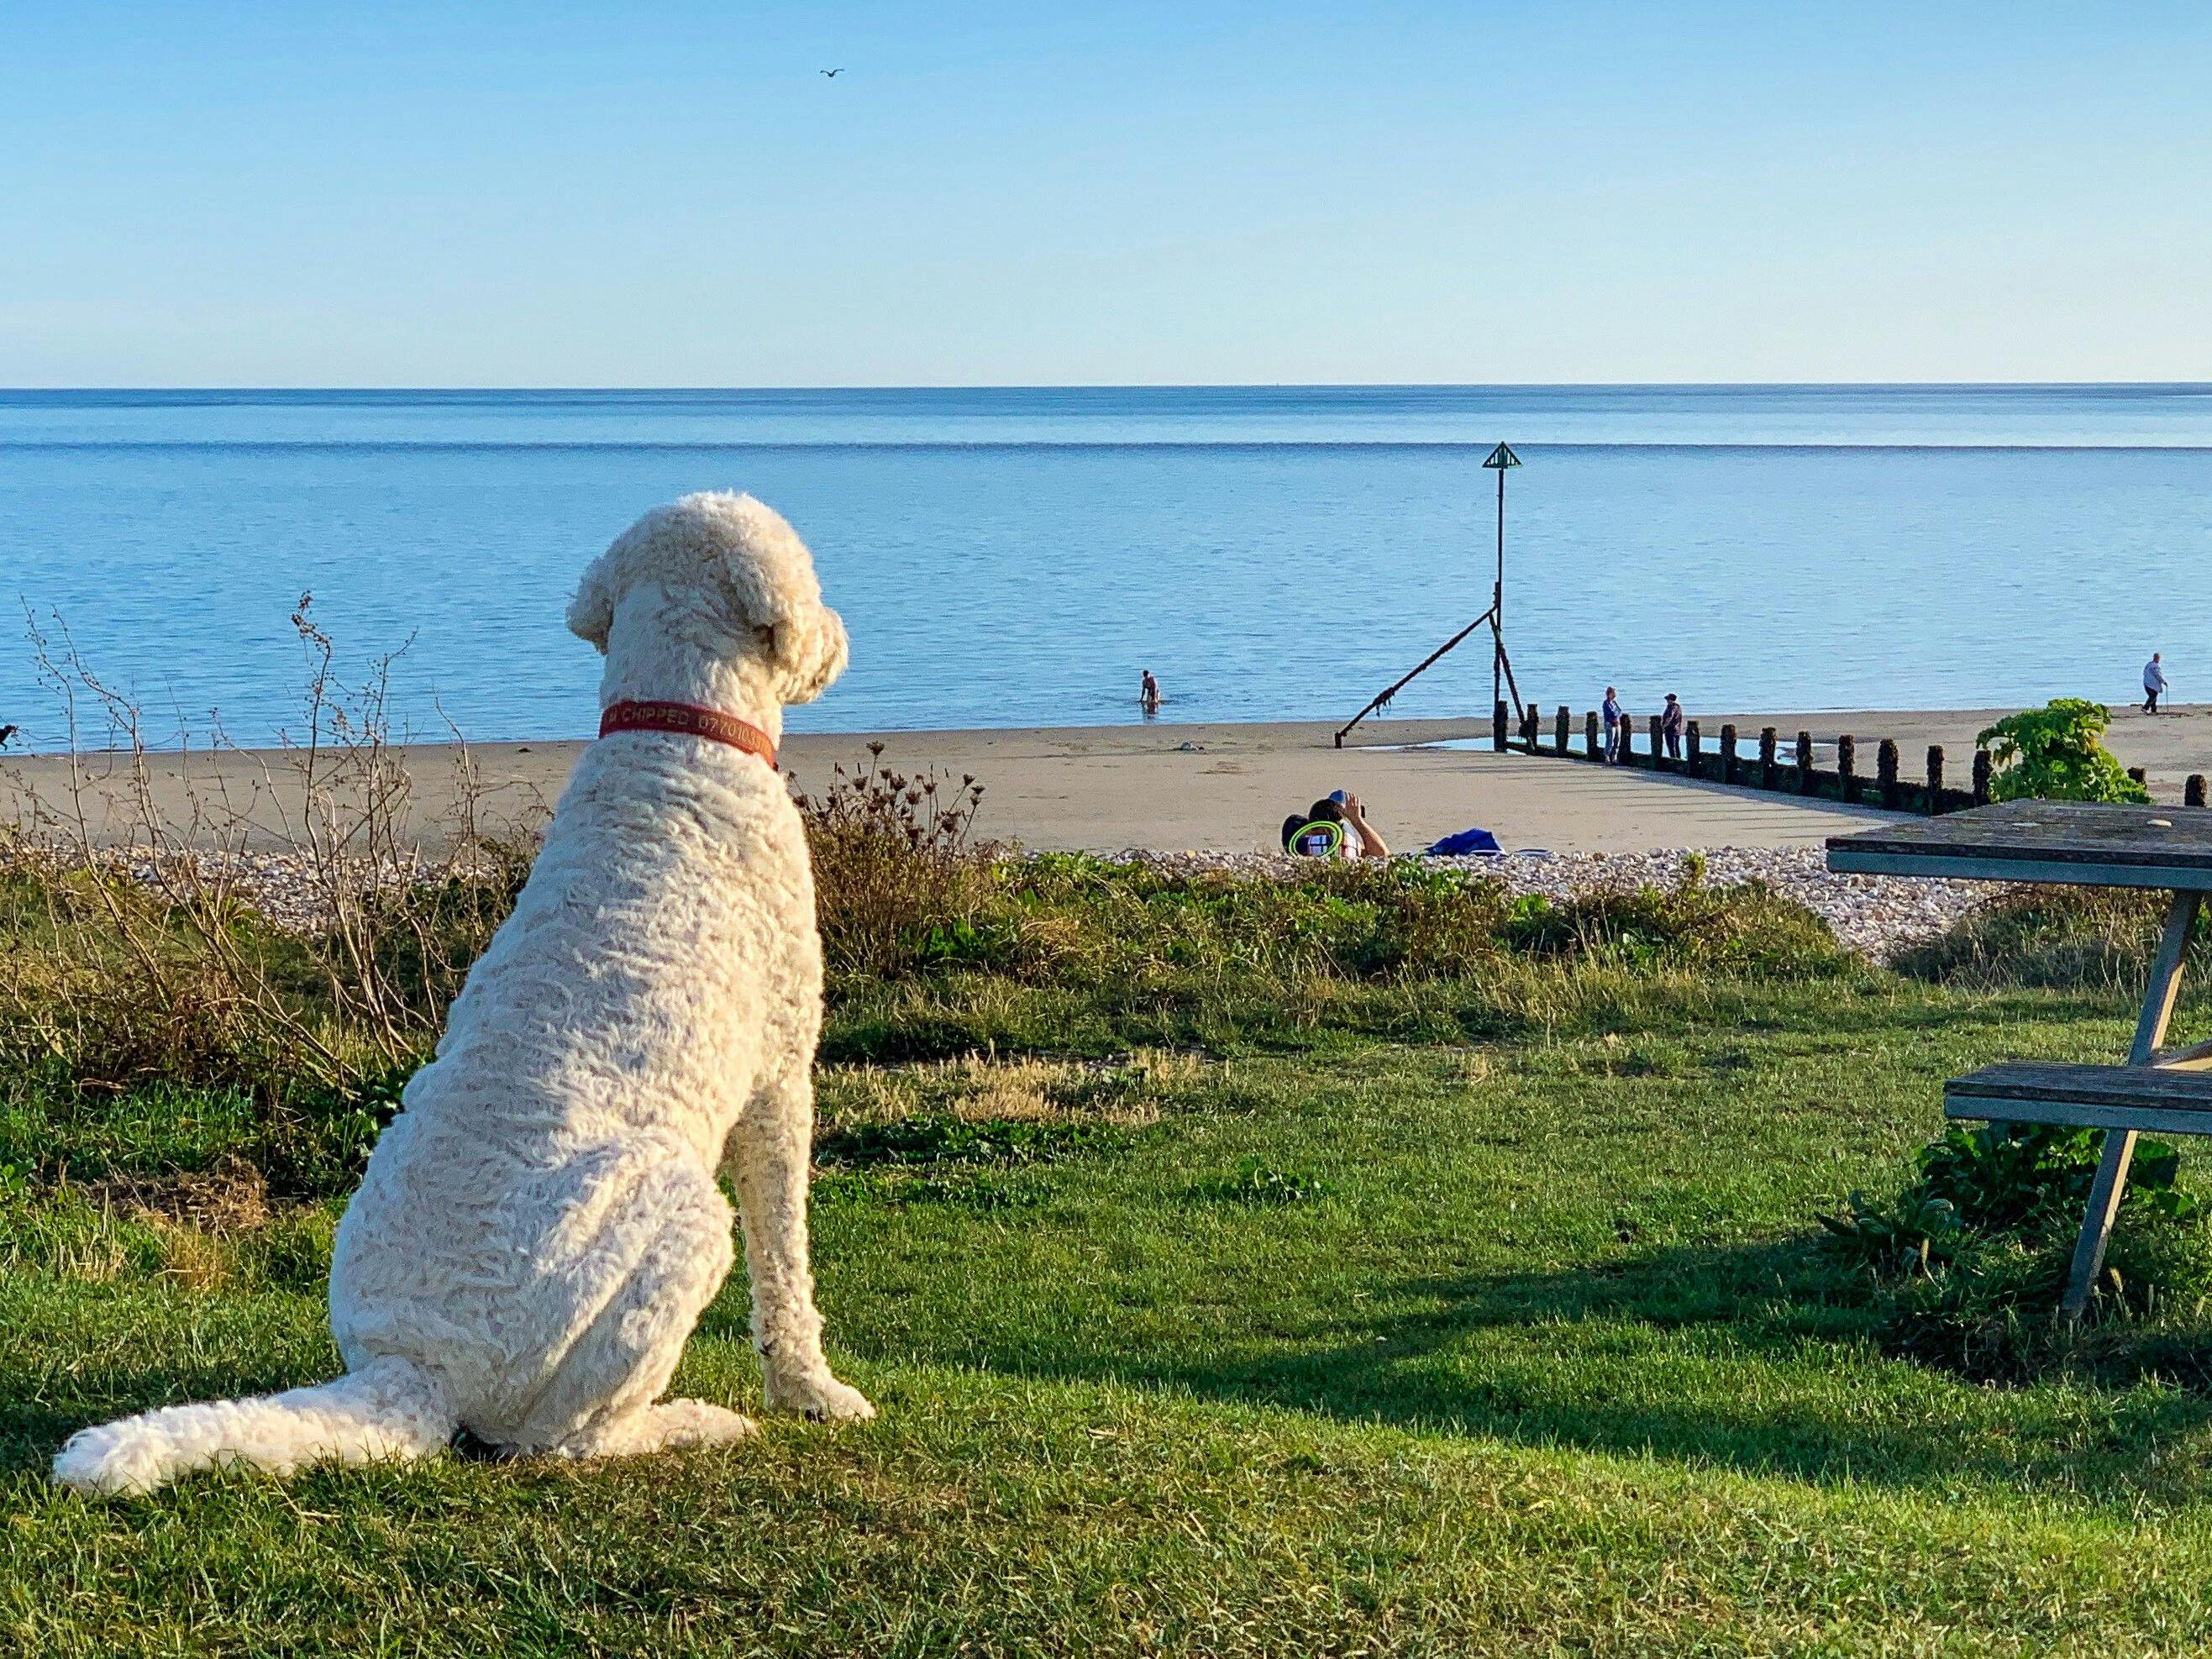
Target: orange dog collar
(690,719)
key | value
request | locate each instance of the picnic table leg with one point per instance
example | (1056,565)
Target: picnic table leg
(2120,1144)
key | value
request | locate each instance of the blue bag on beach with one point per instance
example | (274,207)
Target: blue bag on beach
(1466,841)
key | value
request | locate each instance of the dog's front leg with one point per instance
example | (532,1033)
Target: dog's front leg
(774,1143)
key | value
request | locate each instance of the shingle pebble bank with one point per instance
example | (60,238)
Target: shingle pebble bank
(283,887)
(1875,915)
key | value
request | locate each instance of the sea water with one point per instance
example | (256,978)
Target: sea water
(1015,558)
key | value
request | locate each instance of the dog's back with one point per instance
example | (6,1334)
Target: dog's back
(677,881)
(537,1231)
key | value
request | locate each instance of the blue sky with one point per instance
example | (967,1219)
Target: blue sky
(523,195)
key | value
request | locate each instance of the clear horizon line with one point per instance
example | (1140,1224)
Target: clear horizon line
(1138,386)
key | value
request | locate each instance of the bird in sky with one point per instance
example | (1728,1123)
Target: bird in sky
(833,74)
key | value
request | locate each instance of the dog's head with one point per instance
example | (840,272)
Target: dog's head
(735,562)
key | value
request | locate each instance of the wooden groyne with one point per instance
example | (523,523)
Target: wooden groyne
(1791,770)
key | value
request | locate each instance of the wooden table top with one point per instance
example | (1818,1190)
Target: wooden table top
(2075,842)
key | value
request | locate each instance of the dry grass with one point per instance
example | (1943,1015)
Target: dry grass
(2062,938)
(232,1197)
(896,877)
(978,1089)
(133,951)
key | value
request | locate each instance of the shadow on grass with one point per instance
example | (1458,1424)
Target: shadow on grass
(30,1435)
(1752,1358)
(70,1376)
(32,1427)
(1656,1379)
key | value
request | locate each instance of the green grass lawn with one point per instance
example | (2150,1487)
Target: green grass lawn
(1511,1338)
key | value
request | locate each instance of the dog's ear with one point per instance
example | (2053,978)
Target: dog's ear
(592,612)
(810,647)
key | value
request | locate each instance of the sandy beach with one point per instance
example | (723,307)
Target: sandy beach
(1205,788)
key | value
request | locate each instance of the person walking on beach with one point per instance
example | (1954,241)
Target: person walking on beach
(1611,711)
(1670,726)
(1148,694)
(2153,683)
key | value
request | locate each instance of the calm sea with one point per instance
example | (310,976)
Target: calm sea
(1017,556)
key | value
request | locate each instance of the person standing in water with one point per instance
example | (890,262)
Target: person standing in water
(1148,694)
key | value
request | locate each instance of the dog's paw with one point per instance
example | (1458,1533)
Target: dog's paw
(821,1397)
(695,1423)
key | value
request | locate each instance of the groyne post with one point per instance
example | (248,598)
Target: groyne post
(2139,774)
(2192,791)
(1775,770)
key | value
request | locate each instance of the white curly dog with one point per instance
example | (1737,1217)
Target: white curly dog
(538,1229)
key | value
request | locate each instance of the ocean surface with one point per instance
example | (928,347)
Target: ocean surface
(1015,557)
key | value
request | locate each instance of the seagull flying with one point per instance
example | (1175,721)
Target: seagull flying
(833,74)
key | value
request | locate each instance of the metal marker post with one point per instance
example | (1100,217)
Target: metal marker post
(1500,458)
(1501,665)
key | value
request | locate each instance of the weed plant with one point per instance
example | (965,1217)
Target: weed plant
(2056,753)
(1970,1261)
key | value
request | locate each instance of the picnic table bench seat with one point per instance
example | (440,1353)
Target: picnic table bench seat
(2155,1099)
(2084,844)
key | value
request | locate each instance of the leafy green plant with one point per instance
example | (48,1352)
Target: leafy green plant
(1255,1181)
(316,1144)
(2003,1176)
(1910,1234)
(2053,753)
(1972,1257)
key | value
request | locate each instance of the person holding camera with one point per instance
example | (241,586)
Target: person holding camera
(1334,828)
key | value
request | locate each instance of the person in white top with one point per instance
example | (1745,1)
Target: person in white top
(2153,683)
(1362,840)
(1355,837)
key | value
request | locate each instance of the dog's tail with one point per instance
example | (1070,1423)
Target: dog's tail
(390,1408)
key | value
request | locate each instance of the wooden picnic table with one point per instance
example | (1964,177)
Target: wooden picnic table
(2074,843)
